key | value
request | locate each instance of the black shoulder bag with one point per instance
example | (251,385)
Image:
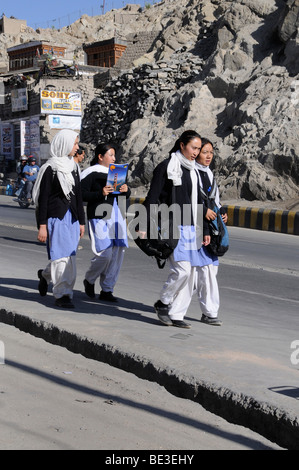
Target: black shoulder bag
(163,245)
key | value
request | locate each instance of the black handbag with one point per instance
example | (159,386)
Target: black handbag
(163,245)
(219,235)
(159,248)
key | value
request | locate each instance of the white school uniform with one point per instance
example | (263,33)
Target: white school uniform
(206,284)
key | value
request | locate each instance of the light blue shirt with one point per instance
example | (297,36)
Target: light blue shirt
(31,169)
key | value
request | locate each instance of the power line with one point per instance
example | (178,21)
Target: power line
(102,7)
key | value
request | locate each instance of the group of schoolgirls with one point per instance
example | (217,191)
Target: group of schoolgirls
(59,193)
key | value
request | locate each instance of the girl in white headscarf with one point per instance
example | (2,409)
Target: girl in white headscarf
(60,216)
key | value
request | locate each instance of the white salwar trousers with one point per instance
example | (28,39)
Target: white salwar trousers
(106,266)
(178,289)
(62,272)
(207,290)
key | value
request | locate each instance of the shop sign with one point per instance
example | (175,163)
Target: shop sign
(7,143)
(60,102)
(30,137)
(65,122)
(19,99)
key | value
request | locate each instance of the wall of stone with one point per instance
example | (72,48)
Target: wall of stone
(138,44)
(136,93)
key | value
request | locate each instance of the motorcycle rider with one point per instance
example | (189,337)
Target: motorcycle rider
(21,177)
(30,172)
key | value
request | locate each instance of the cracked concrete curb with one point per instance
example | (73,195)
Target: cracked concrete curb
(272,423)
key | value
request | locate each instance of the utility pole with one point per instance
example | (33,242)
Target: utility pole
(103,7)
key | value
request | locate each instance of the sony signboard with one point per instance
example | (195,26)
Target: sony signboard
(60,102)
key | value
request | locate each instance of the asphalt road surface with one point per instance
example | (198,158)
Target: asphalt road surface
(52,399)
(258,282)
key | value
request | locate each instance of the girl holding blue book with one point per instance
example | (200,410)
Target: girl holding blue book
(106,223)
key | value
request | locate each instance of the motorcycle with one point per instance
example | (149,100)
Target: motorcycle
(21,199)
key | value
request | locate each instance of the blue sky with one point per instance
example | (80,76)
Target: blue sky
(59,13)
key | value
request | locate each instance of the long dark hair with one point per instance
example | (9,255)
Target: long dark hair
(101,149)
(185,138)
(205,141)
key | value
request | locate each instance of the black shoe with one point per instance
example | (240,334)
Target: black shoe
(107,296)
(162,312)
(210,321)
(64,302)
(181,324)
(42,285)
(89,289)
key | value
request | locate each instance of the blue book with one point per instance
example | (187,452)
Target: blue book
(117,176)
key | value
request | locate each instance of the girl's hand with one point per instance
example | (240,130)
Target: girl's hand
(206,240)
(211,215)
(82,230)
(42,234)
(224,218)
(141,235)
(107,190)
(123,188)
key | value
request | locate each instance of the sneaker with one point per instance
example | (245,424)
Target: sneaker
(181,324)
(162,312)
(89,289)
(42,285)
(210,321)
(64,302)
(107,296)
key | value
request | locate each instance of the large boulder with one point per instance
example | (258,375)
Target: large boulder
(228,69)
(222,68)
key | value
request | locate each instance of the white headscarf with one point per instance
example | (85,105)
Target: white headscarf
(61,162)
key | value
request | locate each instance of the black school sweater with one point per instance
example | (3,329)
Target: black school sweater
(92,193)
(52,201)
(161,191)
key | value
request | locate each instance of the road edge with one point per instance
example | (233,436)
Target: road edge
(272,423)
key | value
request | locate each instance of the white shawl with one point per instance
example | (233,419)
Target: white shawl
(94,168)
(61,162)
(174,172)
(206,169)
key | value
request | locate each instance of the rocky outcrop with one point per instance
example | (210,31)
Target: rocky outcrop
(225,69)
(228,69)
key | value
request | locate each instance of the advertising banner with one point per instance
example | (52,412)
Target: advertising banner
(65,122)
(19,99)
(7,141)
(60,102)
(30,137)
(2,93)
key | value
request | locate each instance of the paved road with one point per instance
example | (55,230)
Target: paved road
(241,371)
(52,399)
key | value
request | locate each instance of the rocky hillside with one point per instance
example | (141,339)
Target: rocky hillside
(229,69)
